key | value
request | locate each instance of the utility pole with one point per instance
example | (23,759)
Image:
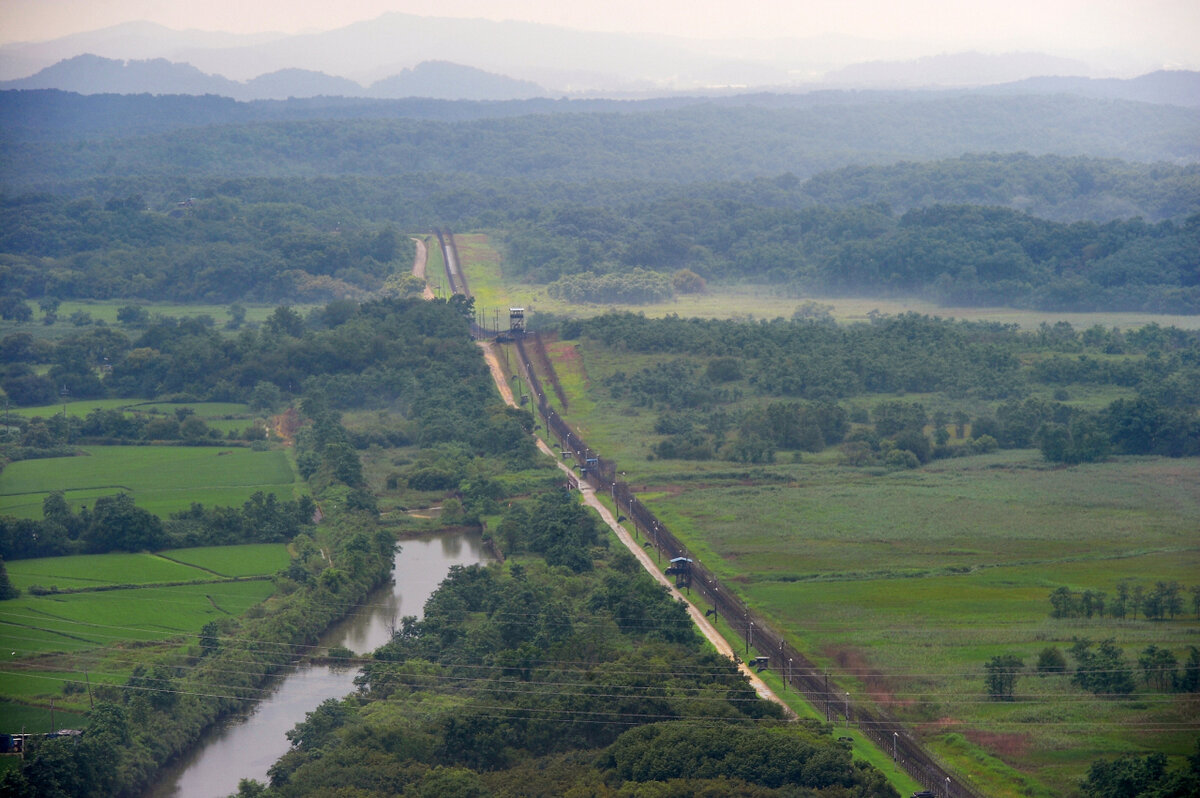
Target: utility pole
(826,696)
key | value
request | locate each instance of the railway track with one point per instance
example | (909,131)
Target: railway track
(798,672)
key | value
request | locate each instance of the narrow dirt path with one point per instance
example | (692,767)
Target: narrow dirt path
(589,497)
(419,262)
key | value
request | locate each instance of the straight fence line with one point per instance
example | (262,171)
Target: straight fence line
(797,671)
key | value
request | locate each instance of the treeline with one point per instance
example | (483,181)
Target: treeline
(1064,189)
(636,287)
(804,368)
(115,523)
(1102,669)
(194,250)
(954,254)
(901,354)
(114,426)
(545,677)
(1048,187)
(1138,776)
(1163,600)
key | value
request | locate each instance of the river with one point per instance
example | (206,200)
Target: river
(245,746)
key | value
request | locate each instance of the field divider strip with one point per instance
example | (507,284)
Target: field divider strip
(183,583)
(192,565)
(70,490)
(51,632)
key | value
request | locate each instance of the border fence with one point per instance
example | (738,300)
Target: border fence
(796,670)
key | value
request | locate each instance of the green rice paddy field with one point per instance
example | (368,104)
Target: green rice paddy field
(58,643)
(161,479)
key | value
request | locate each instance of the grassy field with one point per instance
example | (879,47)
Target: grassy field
(77,621)
(162,479)
(903,584)
(486,278)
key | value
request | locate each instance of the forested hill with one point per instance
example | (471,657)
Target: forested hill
(705,141)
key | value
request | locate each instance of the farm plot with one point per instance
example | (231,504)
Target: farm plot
(251,559)
(161,479)
(97,570)
(200,564)
(61,642)
(77,621)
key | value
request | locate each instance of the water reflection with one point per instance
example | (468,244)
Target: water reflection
(246,746)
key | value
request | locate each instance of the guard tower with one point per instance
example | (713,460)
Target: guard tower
(681,569)
(516,321)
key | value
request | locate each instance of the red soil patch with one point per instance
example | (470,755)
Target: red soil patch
(563,353)
(286,425)
(854,660)
(1009,746)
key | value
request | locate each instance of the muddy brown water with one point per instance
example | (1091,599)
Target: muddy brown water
(245,746)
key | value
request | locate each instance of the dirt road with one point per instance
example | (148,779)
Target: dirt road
(419,262)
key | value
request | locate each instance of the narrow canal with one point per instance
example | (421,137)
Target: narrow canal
(245,746)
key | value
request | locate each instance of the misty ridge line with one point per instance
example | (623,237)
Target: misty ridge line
(406,55)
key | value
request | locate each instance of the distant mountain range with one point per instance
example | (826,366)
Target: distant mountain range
(92,74)
(954,69)
(565,61)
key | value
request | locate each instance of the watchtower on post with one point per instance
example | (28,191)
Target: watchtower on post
(681,569)
(516,321)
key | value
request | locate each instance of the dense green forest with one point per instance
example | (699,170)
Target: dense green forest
(704,141)
(316,239)
(216,250)
(964,199)
(956,254)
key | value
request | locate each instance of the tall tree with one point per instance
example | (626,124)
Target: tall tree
(1002,671)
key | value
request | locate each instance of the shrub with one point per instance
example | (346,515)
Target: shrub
(1051,660)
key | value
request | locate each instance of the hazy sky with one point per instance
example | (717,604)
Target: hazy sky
(1169,28)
